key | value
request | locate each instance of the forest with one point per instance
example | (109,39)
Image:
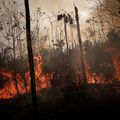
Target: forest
(54,64)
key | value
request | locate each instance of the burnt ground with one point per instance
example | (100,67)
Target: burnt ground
(95,101)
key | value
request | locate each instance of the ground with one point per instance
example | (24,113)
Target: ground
(86,102)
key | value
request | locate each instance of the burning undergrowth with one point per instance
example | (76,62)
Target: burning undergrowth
(8,88)
(56,69)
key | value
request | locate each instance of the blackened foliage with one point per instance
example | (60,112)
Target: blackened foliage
(99,60)
(3,80)
(55,61)
(114,38)
(59,17)
(70,19)
(67,18)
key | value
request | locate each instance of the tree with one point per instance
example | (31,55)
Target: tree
(80,45)
(11,31)
(30,57)
(67,19)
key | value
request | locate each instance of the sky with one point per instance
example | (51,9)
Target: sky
(50,5)
(54,5)
(68,5)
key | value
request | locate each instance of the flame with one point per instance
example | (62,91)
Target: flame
(43,80)
(116,62)
(92,77)
(95,78)
(9,88)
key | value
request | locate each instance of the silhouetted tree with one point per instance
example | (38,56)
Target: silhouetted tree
(84,78)
(30,57)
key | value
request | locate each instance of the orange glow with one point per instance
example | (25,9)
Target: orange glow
(43,80)
(9,88)
(116,62)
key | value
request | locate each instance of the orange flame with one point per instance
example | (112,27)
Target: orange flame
(43,80)
(9,89)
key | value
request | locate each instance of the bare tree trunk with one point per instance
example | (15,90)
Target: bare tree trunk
(65,28)
(21,57)
(113,23)
(30,57)
(51,23)
(14,60)
(71,28)
(48,38)
(81,51)
(101,23)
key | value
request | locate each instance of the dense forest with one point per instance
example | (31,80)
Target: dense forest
(50,66)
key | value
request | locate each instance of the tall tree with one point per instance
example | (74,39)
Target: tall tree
(66,20)
(11,30)
(81,50)
(30,57)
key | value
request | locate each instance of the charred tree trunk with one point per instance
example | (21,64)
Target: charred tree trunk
(65,28)
(80,45)
(30,57)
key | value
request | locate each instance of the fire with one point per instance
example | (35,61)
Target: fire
(43,80)
(9,89)
(116,62)
(95,78)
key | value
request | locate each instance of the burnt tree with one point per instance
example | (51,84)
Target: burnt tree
(30,57)
(84,78)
